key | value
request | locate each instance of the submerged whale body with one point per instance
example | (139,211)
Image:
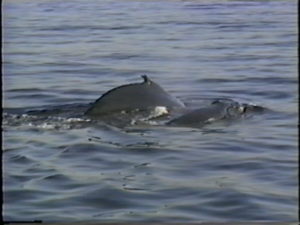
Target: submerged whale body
(139,96)
(122,105)
(216,111)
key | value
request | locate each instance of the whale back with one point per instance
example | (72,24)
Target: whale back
(130,97)
(216,111)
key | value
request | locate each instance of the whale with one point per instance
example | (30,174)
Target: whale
(150,101)
(134,97)
(216,111)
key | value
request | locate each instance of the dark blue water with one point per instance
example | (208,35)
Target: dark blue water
(59,56)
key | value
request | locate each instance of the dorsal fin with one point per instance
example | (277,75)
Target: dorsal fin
(146,79)
(129,97)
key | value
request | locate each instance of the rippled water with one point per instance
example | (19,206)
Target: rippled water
(59,56)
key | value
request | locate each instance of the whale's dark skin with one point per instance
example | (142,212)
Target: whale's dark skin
(130,97)
(216,111)
(120,105)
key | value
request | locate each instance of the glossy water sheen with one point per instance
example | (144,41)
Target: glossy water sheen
(63,55)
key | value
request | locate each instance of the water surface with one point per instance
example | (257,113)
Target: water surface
(62,56)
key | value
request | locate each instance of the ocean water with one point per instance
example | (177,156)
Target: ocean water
(59,56)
